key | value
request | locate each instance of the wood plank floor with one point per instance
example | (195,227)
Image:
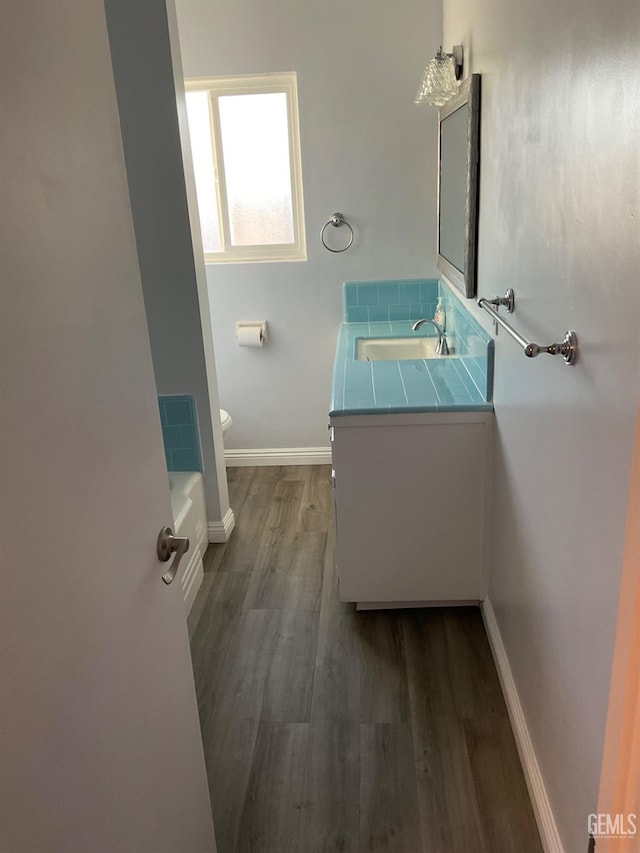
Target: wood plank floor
(330,730)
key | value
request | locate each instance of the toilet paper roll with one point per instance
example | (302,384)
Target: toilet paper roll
(251,334)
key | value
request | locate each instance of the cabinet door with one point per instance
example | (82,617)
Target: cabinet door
(410,503)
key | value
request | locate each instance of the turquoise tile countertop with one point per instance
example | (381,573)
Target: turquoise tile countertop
(385,387)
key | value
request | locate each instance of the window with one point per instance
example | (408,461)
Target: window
(245,143)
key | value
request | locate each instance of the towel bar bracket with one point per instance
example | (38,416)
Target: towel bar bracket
(568,348)
(507,301)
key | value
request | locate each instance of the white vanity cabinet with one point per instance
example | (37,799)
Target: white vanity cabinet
(411,501)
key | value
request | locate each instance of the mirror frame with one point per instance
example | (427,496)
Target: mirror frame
(468,93)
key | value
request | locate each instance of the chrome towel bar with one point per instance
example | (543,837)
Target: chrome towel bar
(568,348)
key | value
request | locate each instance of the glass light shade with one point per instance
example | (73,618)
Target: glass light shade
(438,84)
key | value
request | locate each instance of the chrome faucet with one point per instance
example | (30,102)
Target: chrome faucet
(442,348)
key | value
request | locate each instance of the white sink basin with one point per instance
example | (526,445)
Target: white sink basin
(396,349)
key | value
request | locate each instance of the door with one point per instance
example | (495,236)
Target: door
(619,796)
(100,746)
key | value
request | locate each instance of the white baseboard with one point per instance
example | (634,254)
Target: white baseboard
(547,828)
(220,531)
(278,456)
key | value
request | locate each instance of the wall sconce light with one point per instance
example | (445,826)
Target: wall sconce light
(440,79)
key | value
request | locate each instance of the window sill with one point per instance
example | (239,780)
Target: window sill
(215,260)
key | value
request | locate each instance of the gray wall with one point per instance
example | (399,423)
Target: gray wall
(367,151)
(143,72)
(560,198)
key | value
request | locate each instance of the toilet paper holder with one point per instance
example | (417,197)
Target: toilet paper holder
(252,333)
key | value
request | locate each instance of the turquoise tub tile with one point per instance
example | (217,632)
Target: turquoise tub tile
(180,432)
(172,436)
(188,437)
(178,411)
(184,460)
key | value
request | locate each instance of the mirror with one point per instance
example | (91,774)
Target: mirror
(458,174)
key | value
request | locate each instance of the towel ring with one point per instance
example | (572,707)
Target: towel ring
(337,220)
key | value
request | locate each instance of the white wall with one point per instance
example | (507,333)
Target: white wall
(367,151)
(143,71)
(560,207)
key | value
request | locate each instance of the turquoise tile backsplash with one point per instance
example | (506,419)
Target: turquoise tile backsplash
(380,301)
(179,421)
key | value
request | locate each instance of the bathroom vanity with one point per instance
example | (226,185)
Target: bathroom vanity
(410,500)
(411,442)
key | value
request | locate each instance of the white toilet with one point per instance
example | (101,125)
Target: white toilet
(225,420)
